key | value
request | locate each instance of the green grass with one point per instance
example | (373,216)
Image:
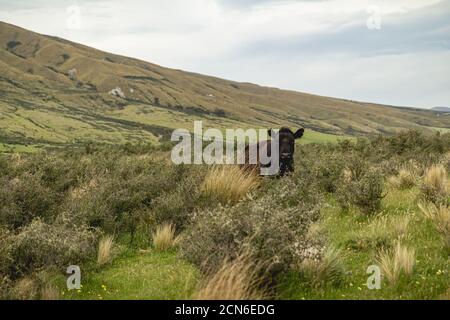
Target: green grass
(431,276)
(151,275)
(319,137)
(18,148)
(142,275)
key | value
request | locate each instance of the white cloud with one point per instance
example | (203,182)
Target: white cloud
(317,46)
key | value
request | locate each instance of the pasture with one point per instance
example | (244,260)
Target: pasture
(140,227)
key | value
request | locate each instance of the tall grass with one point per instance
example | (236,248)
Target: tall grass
(49,293)
(396,261)
(235,280)
(229,184)
(25,289)
(164,238)
(105,250)
(328,268)
(440,215)
(435,184)
(405,179)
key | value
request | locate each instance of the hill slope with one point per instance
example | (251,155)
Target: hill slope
(53,91)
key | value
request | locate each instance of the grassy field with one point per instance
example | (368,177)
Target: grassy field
(142,228)
(137,276)
(152,275)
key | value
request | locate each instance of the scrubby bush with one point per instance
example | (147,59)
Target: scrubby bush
(364,190)
(23,199)
(41,245)
(272,229)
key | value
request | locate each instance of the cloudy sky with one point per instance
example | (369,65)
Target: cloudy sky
(387,51)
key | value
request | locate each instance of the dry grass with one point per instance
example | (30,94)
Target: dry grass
(405,179)
(327,269)
(435,184)
(235,280)
(396,261)
(25,289)
(49,292)
(381,232)
(164,238)
(440,215)
(229,184)
(105,250)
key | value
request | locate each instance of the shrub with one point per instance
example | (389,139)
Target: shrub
(164,238)
(40,245)
(396,261)
(236,279)
(229,183)
(435,185)
(366,192)
(272,228)
(23,199)
(105,250)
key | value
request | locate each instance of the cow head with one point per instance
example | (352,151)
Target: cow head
(286,147)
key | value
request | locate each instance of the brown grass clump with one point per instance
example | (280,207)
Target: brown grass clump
(396,261)
(164,238)
(105,250)
(235,280)
(435,184)
(328,268)
(405,179)
(228,183)
(49,292)
(25,289)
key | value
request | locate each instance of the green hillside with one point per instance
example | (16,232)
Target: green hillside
(55,92)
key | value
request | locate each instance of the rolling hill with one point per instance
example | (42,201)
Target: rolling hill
(56,92)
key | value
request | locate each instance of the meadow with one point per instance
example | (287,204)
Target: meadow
(140,227)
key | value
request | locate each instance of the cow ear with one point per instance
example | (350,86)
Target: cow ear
(299,133)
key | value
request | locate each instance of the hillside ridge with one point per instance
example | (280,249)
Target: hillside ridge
(54,91)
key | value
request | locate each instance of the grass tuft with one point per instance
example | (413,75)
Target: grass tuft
(49,293)
(440,215)
(105,248)
(435,184)
(235,280)
(164,238)
(229,184)
(405,179)
(396,261)
(327,269)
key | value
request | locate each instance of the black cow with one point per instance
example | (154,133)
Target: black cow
(285,153)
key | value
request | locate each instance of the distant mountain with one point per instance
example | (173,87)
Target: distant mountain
(53,91)
(441,109)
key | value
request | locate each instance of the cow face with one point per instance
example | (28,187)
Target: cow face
(286,147)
